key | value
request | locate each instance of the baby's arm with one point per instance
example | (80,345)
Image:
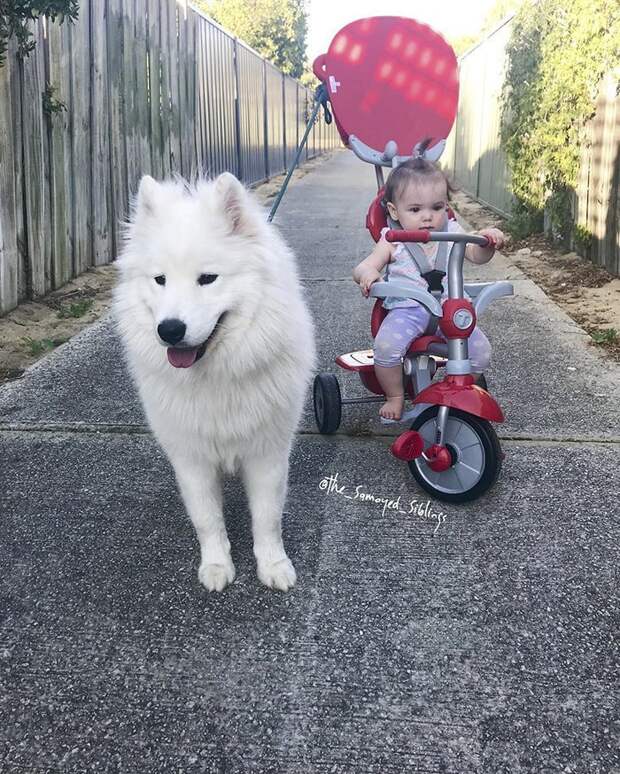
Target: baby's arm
(369,270)
(477,254)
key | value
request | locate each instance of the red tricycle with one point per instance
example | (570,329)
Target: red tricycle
(451,448)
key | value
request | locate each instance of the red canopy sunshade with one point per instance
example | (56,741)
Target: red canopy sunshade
(389,78)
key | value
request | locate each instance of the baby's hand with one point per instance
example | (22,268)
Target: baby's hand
(497,236)
(367,279)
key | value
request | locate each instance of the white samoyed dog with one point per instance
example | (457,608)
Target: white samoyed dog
(220,344)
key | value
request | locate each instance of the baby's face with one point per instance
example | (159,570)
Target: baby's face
(421,205)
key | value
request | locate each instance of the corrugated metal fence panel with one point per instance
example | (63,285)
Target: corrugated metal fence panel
(313,142)
(468,122)
(301,116)
(251,74)
(189,119)
(164,105)
(333,136)
(172,68)
(186,103)
(493,175)
(474,155)
(220,100)
(275,122)
(201,129)
(317,133)
(447,159)
(290,119)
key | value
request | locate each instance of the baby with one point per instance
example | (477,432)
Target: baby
(416,194)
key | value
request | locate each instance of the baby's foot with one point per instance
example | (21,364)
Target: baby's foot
(393,407)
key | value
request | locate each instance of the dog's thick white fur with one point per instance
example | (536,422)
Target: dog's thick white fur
(204,257)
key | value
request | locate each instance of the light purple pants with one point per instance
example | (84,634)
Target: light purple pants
(404,324)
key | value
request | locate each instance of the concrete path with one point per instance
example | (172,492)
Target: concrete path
(475,638)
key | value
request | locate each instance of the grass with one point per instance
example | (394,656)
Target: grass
(38,346)
(78,309)
(609,336)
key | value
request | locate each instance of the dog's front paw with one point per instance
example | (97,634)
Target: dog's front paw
(216,576)
(277,575)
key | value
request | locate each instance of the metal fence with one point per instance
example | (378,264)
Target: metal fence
(139,86)
(473,155)
(476,161)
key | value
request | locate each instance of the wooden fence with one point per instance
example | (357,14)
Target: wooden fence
(137,87)
(477,162)
(597,198)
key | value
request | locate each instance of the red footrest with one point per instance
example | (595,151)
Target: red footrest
(408,446)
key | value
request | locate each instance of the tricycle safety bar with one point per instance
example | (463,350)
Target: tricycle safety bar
(482,293)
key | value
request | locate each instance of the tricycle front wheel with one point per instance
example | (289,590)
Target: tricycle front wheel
(475,451)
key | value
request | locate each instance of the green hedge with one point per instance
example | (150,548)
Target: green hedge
(557,55)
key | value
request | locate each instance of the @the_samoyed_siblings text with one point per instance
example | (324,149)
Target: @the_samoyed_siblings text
(330,485)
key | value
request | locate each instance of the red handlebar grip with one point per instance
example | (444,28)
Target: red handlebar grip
(395,235)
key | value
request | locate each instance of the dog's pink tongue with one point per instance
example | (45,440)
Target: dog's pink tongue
(182,358)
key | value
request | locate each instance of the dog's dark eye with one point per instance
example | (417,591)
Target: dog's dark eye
(160,279)
(207,279)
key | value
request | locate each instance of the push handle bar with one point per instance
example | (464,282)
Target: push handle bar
(422,235)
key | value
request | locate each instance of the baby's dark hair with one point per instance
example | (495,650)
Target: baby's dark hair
(415,170)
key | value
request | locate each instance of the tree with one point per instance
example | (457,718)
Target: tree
(498,11)
(15,15)
(275,28)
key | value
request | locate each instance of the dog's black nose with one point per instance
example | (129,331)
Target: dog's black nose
(171,331)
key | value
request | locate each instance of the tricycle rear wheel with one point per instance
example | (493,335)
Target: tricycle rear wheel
(327,403)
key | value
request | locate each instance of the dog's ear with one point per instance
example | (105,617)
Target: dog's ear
(148,194)
(233,198)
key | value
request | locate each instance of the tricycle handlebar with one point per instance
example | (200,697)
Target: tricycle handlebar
(422,235)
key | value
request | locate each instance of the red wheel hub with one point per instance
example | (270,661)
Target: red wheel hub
(438,458)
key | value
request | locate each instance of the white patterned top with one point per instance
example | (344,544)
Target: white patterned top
(402,267)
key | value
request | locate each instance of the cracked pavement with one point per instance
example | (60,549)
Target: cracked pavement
(453,639)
